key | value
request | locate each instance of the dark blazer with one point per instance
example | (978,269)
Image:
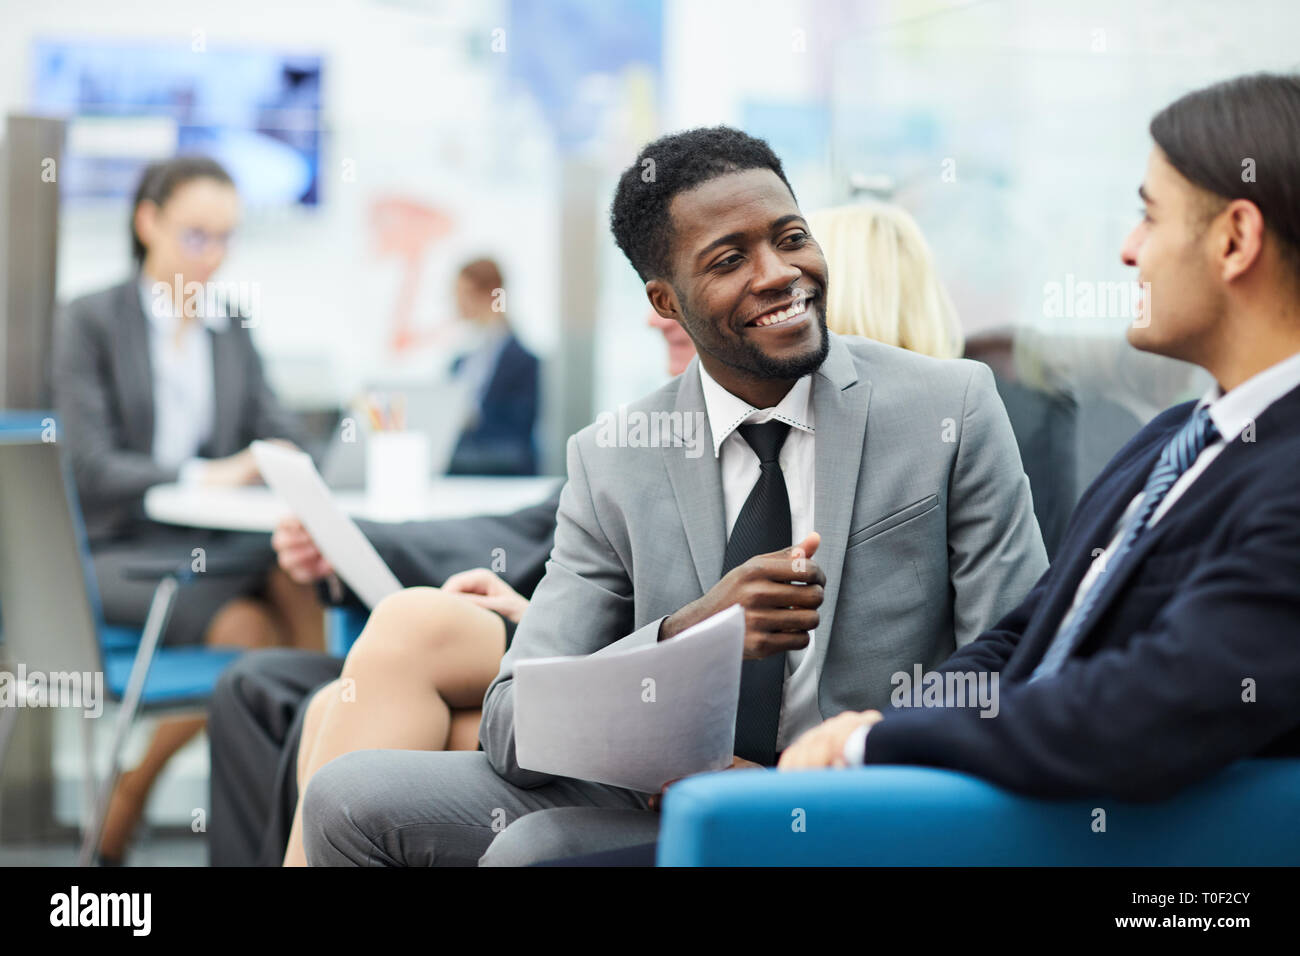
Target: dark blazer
(1045,425)
(1193,657)
(423,553)
(500,441)
(103,393)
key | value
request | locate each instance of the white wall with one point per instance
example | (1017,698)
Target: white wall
(1044,109)
(1014,85)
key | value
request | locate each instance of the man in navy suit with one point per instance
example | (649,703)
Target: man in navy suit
(501,378)
(1164,641)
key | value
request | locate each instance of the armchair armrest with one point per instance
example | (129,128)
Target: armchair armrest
(219,562)
(918,816)
(344,624)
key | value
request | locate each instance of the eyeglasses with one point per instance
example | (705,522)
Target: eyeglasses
(196,242)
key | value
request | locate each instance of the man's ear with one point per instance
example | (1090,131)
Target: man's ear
(663,299)
(1242,241)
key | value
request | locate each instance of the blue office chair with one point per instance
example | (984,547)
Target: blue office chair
(343,625)
(52,618)
(919,816)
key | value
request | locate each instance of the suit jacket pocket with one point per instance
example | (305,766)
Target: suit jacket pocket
(889,522)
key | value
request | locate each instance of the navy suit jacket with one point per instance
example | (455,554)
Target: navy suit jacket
(1192,659)
(500,442)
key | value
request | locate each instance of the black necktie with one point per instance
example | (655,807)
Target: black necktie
(763,525)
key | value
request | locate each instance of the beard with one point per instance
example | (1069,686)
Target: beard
(745,356)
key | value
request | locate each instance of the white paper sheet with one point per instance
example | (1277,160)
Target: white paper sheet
(293,477)
(637,719)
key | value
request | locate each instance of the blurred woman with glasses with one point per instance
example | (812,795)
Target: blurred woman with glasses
(156,380)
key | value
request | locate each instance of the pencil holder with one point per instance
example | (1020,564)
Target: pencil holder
(397,472)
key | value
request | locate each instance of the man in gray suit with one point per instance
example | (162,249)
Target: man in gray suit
(864,505)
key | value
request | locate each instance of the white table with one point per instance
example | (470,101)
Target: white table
(256,508)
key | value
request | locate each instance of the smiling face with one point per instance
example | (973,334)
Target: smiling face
(1172,249)
(747,282)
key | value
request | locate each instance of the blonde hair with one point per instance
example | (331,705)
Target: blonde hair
(882,283)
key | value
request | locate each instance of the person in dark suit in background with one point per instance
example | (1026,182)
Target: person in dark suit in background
(1161,644)
(501,377)
(157,381)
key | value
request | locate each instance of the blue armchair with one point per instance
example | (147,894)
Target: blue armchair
(343,626)
(917,816)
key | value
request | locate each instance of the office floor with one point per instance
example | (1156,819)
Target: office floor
(179,798)
(155,849)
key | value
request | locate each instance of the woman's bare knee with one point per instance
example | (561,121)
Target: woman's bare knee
(408,629)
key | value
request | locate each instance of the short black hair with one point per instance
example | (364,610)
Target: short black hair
(159,180)
(670,165)
(1240,139)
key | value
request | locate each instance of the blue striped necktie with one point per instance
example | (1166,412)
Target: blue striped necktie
(1183,449)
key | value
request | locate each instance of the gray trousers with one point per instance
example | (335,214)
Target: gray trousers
(413,808)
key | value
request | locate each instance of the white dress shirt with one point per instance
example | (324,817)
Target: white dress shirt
(1231,413)
(184,398)
(740,469)
(479,364)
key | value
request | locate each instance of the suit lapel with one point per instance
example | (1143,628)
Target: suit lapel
(840,402)
(134,378)
(504,369)
(840,418)
(228,393)
(697,486)
(1126,482)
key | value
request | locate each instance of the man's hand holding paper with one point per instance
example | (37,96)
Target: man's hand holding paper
(637,719)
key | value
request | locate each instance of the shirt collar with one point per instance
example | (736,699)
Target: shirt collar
(161,313)
(727,412)
(1232,411)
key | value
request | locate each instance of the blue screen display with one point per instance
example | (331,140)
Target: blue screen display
(255,112)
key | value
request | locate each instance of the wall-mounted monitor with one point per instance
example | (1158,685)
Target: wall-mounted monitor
(257,112)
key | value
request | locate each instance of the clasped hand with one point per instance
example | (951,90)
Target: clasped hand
(780,593)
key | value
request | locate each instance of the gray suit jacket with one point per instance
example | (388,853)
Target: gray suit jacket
(927,531)
(103,393)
